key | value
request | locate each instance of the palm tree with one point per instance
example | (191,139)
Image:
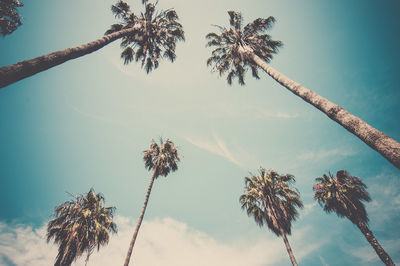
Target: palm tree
(162,159)
(269,199)
(238,49)
(343,195)
(10,19)
(149,37)
(79,226)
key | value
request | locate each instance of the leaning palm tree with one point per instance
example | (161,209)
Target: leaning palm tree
(80,225)
(148,37)
(269,199)
(343,195)
(240,48)
(162,159)
(10,19)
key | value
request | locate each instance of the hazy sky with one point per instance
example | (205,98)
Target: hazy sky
(86,122)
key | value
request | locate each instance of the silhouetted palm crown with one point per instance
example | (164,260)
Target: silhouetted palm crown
(156,35)
(269,199)
(80,225)
(162,159)
(10,19)
(343,195)
(235,42)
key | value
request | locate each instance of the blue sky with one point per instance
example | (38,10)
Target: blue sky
(86,122)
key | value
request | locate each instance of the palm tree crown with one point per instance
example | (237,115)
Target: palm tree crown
(79,226)
(10,19)
(343,195)
(155,38)
(269,199)
(233,43)
(162,159)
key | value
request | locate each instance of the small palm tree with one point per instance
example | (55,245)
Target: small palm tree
(10,19)
(162,159)
(80,225)
(239,48)
(269,199)
(343,195)
(149,37)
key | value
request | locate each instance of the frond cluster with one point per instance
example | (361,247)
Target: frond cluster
(234,44)
(342,194)
(80,225)
(10,19)
(269,199)
(155,38)
(162,159)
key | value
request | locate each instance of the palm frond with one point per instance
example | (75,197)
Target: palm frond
(79,226)
(342,194)
(237,44)
(270,200)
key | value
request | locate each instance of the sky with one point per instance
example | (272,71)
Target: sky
(84,124)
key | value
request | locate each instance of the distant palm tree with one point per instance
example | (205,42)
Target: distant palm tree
(80,225)
(238,49)
(269,199)
(343,195)
(149,36)
(162,159)
(10,19)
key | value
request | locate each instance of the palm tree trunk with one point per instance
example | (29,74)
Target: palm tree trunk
(15,72)
(288,248)
(128,255)
(386,146)
(374,243)
(276,224)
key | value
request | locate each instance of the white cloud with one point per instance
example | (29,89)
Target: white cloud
(308,208)
(164,242)
(368,254)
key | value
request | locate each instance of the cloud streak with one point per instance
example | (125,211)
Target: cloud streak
(218,147)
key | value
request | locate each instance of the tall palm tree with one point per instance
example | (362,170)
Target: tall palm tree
(239,48)
(148,36)
(269,199)
(10,19)
(162,159)
(343,195)
(80,225)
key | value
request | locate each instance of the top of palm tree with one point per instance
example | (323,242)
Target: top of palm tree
(161,158)
(81,225)
(156,35)
(342,194)
(10,19)
(269,199)
(234,43)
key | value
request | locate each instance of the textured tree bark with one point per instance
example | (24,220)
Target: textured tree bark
(288,248)
(15,72)
(386,146)
(374,243)
(128,255)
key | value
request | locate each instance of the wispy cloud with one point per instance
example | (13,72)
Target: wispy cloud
(164,242)
(95,116)
(323,154)
(323,262)
(217,146)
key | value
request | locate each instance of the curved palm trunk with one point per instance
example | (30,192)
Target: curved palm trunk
(128,255)
(386,146)
(374,243)
(15,72)
(288,248)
